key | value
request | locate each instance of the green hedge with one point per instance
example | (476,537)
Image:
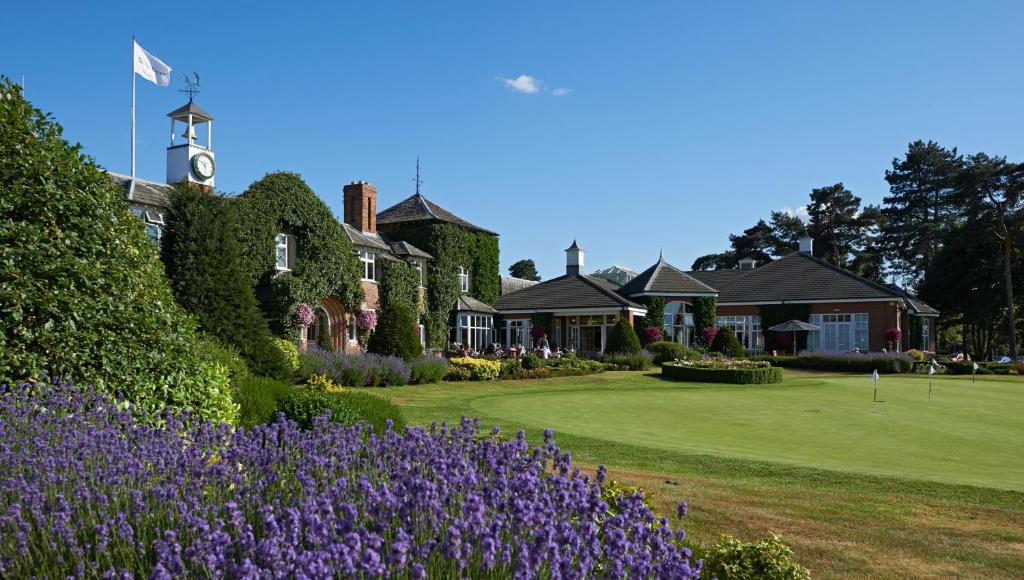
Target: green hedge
(348,407)
(734,376)
(259,399)
(667,351)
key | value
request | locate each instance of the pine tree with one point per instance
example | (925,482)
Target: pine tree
(755,242)
(786,231)
(396,334)
(835,224)
(202,259)
(622,338)
(525,269)
(919,207)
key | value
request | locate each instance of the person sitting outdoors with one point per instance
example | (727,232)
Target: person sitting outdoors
(543,346)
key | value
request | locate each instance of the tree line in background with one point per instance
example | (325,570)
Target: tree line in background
(950,230)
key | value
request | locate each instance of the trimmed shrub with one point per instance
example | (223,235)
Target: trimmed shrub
(82,289)
(427,369)
(374,410)
(767,559)
(472,369)
(852,362)
(641,361)
(396,334)
(323,383)
(259,399)
(737,376)
(289,351)
(916,355)
(202,258)
(623,338)
(531,361)
(305,405)
(214,351)
(650,335)
(725,342)
(665,351)
(967,368)
(510,367)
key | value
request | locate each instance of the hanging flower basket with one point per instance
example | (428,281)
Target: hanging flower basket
(304,314)
(367,319)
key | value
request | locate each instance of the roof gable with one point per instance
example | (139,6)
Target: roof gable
(664,278)
(565,293)
(795,277)
(419,208)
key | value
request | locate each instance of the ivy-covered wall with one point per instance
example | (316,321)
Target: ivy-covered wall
(452,247)
(325,262)
(399,286)
(655,312)
(772,314)
(704,312)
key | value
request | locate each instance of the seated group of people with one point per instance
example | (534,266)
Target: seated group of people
(541,348)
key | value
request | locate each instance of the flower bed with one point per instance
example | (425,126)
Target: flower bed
(90,492)
(371,370)
(734,371)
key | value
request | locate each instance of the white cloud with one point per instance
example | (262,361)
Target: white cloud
(524,84)
(561,92)
(800,212)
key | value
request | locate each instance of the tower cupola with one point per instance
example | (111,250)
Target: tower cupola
(191,160)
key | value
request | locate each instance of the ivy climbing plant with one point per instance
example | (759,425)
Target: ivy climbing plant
(704,312)
(325,264)
(452,247)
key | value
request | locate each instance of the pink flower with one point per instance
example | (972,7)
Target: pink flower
(367,319)
(304,314)
(893,335)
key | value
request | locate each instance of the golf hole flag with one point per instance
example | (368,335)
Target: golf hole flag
(874,375)
(931,370)
(150,67)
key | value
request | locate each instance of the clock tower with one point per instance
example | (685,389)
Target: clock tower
(191,161)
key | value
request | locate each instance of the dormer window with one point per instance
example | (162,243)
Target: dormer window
(369,261)
(464,279)
(285,252)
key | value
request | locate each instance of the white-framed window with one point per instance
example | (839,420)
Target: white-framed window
(464,279)
(747,329)
(419,265)
(369,261)
(284,250)
(678,324)
(475,331)
(925,331)
(839,332)
(517,332)
(351,330)
(154,222)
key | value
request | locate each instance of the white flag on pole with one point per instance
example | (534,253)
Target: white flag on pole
(151,68)
(931,370)
(874,375)
(975,367)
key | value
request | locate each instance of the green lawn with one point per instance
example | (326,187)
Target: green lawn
(900,487)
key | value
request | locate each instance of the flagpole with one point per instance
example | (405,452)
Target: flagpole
(131,186)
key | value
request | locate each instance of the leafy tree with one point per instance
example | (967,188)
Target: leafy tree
(786,231)
(82,287)
(725,342)
(396,334)
(835,223)
(993,192)
(623,338)
(525,269)
(920,206)
(203,261)
(722,261)
(755,242)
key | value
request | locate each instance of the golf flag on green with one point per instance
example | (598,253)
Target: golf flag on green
(931,370)
(874,375)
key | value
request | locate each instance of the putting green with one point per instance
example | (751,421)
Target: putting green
(967,433)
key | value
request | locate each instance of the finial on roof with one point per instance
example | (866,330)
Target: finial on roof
(191,86)
(661,254)
(418,180)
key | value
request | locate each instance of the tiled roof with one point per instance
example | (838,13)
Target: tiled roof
(365,239)
(565,293)
(197,112)
(797,276)
(664,278)
(404,248)
(511,284)
(419,208)
(914,304)
(467,303)
(146,192)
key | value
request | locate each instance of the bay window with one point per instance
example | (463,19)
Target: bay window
(475,331)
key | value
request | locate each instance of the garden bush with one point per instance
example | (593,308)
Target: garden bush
(966,368)
(259,399)
(623,338)
(472,369)
(374,410)
(736,375)
(202,258)
(510,367)
(82,289)
(725,342)
(216,352)
(916,355)
(358,370)
(427,369)
(641,361)
(305,405)
(289,351)
(667,351)
(395,334)
(851,362)
(767,559)
(201,500)
(531,361)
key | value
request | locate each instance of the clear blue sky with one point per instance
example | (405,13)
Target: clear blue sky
(683,122)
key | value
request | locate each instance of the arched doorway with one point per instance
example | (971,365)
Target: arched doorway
(329,324)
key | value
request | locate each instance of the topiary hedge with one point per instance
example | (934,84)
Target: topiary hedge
(755,376)
(396,334)
(325,263)
(82,290)
(725,342)
(623,339)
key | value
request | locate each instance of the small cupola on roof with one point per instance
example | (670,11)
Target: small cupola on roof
(748,263)
(574,260)
(191,161)
(806,244)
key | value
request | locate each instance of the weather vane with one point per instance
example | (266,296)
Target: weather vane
(191,85)
(418,181)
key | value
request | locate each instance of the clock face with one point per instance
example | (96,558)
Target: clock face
(203,166)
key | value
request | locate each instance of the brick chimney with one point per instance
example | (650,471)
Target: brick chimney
(361,206)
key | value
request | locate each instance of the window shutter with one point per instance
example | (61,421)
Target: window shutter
(293,250)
